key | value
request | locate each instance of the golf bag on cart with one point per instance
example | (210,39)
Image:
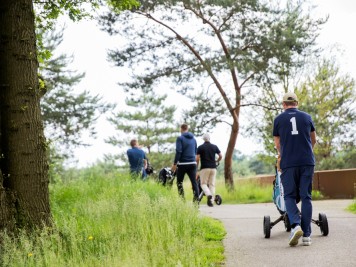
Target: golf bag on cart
(278,199)
(166,176)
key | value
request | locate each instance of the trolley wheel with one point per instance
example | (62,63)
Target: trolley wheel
(324,226)
(287,223)
(218,200)
(267,226)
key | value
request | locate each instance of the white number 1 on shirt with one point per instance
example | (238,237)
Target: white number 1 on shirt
(294,126)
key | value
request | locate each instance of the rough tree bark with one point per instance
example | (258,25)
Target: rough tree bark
(24,196)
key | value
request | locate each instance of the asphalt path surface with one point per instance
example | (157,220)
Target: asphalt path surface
(245,243)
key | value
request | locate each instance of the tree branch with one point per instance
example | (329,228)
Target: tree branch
(260,105)
(196,54)
(226,52)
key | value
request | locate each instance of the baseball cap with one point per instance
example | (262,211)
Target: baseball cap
(206,137)
(290,97)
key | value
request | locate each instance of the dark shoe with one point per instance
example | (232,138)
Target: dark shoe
(210,201)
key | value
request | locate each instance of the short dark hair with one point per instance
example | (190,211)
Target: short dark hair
(184,127)
(133,142)
(291,104)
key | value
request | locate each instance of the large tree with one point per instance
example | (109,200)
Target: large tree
(24,199)
(234,44)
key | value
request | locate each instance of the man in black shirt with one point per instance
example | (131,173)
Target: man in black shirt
(206,154)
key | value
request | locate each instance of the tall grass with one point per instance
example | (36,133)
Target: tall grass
(114,221)
(245,191)
(352,207)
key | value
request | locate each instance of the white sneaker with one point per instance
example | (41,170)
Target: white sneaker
(295,234)
(306,241)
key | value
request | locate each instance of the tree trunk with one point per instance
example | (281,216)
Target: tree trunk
(24,196)
(229,179)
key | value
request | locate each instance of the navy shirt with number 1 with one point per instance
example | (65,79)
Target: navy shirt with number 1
(294,127)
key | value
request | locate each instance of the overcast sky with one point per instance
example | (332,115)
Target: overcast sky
(89,47)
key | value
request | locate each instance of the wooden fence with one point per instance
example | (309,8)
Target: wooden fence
(334,184)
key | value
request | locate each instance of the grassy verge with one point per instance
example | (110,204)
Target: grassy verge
(246,191)
(113,221)
(352,207)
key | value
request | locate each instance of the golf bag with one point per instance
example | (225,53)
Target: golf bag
(166,176)
(149,170)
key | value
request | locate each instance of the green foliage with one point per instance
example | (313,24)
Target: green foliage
(205,112)
(106,220)
(258,165)
(317,195)
(345,159)
(66,114)
(247,166)
(48,11)
(250,190)
(120,5)
(352,207)
(328,97)
(246,191)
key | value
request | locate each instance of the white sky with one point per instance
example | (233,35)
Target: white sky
(89,46)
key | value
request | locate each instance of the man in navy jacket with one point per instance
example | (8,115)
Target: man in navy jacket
(185,160)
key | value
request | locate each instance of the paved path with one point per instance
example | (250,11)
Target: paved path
(246,246)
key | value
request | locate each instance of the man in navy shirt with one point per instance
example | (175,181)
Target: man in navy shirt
(137,160)
(206,155)
(185,160)
(294,137)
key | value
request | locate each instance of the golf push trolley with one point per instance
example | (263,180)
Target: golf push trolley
(278,199)
(166,177)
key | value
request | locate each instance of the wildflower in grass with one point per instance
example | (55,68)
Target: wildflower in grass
(29,255)
(90,237)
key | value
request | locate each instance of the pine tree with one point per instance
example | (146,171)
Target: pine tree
(66,114)
(148,119)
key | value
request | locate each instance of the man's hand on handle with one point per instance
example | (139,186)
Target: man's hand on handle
(174,168)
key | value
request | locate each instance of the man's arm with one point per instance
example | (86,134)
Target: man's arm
(197,158)
(177,155)
(219,158)
(313,138)
(277,143)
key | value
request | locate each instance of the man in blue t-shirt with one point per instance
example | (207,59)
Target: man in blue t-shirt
(137,160)
(294,137)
